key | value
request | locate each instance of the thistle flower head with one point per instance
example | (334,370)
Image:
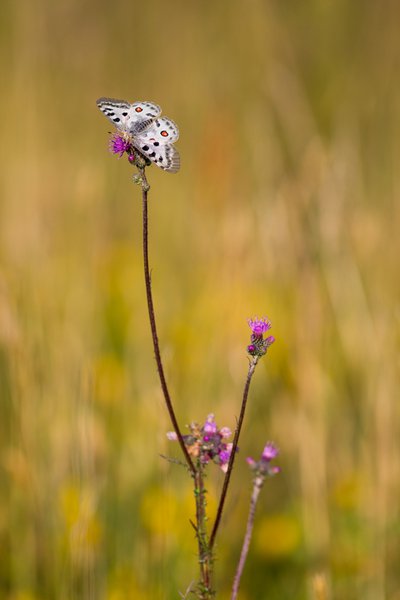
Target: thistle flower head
(259,326)
(224,456)
(262,468)
(259,345)
(210,426)
(120,143)
(270,452)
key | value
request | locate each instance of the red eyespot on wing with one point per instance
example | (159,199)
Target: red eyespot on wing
(138,109)
(164,133)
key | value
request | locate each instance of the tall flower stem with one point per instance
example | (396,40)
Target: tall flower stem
(150,305)
(252,367)
(258,482)
(205,554)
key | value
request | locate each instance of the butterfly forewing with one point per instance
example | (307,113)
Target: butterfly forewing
(124,115)
(146,109)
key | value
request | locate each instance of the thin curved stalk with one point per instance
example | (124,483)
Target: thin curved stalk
(150,305)
(246,542)
(252,366)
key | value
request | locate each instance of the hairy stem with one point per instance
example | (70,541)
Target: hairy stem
(246,542)
(205,557)
(150,305)
(252,367)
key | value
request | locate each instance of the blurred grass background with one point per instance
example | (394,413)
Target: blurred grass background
(286,205)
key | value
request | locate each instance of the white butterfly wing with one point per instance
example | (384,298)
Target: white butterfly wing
(155,142)
(163,131)
(125,115)
(146,109)
(167,156)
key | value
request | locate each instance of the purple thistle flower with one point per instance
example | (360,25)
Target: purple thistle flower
(262,468)
(259,345)
(259,326)
(210,425)
(224,456)
(270,452)
(119,144)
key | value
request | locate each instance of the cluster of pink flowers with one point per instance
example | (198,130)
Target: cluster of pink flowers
(259,345)
(207,442)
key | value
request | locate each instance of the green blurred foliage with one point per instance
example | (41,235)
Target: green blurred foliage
(286,205)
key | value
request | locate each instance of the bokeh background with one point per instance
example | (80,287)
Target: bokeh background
(286,205)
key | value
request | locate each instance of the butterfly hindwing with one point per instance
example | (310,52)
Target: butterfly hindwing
(165,156)
(155,142)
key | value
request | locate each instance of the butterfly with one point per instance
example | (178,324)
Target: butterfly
(152,135)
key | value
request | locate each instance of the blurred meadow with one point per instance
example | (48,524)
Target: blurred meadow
(286,205)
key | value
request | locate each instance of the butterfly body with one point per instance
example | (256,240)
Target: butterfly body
(153,136)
